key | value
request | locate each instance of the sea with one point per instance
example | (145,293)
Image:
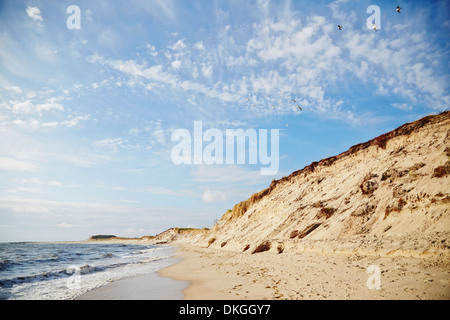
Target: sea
(64,271)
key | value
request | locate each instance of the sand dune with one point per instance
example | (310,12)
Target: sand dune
(314,233)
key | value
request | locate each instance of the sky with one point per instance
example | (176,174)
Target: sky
(91,95)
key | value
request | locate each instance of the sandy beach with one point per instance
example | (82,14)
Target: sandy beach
(200,273)
(218,274)
(369,223)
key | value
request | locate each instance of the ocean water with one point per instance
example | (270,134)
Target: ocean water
(46,271)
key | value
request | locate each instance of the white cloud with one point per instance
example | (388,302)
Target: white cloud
(134,69)
(339,14)
(402,106)
(110,143)
(164,10)
(398,65)
(178,45)
(281,56)
(207,70)
(23,107)
(34,124)
(37,181)
(28,107)
(213,196)
(65,225)
(82,159)
(82,219)
(49,106)
(171,192)
(134,231)
(25,190)
(14,89)
(72,212)
(34,13)
(152,50)
(74,120)
(227,174)
(176,64)
(159,133)
(11,164)
(199,45)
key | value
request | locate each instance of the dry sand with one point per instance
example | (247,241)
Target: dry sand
(218,274)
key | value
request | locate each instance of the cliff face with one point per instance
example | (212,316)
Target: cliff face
(389,195)
(179,235)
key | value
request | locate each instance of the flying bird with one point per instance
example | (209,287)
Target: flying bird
(339,26)
(398,9)
(273,107)
(293,100)
(374,27)
(299,108)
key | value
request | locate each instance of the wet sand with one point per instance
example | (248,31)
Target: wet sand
(146,287)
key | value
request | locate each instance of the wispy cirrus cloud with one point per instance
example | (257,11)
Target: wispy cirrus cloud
(284,57)
(163,10)
(217,195)
(28,107)
(227,174)
(43,109)
(11,164)
(171,192)
(110,143)
(14,89)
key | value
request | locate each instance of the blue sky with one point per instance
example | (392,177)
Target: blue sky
(86,115)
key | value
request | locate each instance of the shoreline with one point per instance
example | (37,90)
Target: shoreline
(199,273)
(149,286)
(193,272)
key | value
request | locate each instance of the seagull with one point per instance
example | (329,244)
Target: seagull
(299,108)
(398,9)
(274,107)
(374,27)
(339,26)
